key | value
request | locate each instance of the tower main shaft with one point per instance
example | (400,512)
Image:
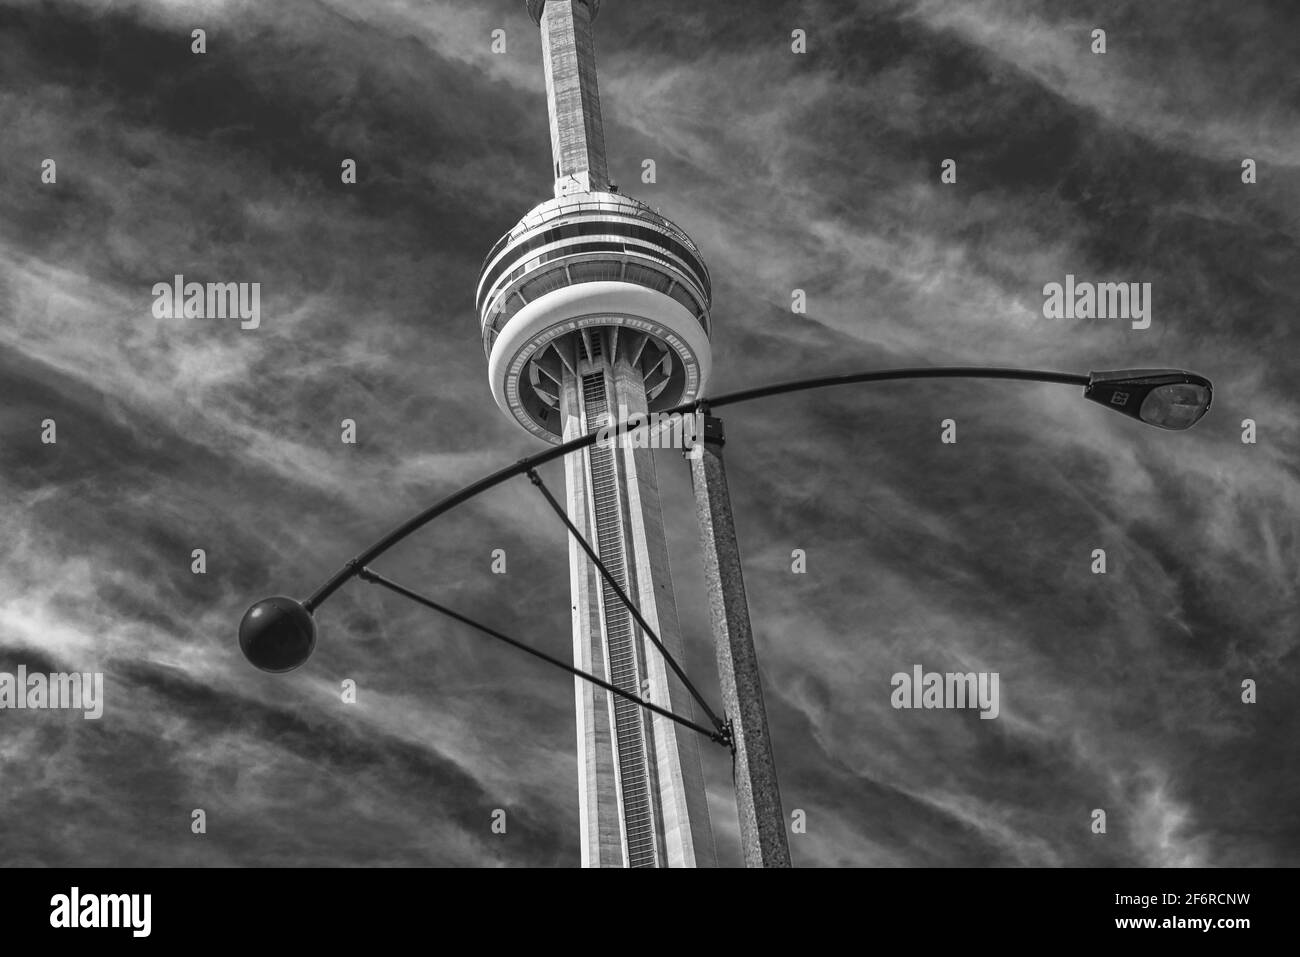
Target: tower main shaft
(640,781)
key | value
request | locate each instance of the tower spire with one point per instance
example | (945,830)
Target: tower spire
(569,59)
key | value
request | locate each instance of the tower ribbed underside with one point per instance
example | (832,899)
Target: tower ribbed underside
(640,781)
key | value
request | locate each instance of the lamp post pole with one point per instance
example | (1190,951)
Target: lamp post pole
(758,796)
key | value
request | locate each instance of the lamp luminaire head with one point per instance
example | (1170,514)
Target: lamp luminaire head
(1166,398)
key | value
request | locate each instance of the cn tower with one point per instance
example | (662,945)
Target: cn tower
(595,307)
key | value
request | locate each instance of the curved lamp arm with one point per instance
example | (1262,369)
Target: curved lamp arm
(1101,382)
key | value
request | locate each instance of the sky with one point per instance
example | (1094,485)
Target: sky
(820,172)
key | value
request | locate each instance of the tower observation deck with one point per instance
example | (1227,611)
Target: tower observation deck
(592,308)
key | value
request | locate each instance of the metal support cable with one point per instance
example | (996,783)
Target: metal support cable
(721,736)
(622,595)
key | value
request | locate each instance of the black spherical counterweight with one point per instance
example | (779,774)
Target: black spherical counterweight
(277,634)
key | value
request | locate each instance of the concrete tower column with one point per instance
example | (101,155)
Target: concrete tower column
(641,785)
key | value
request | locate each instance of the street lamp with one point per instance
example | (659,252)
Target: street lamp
(279,634)
(1165,398)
